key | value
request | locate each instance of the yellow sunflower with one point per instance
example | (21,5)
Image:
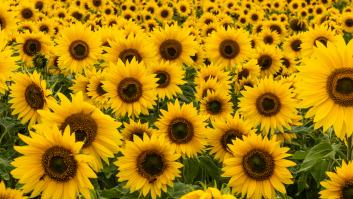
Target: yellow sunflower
(78,49)
(170,78)
(97,130)
(135,128)
(183,128)
(216,105)
(81,82)
(29,94)
(51,165)
(270,104)
(319,34)
(268,37)
(224,132)
(7,193)
(95,90)
(205,87)
(7,19)
(7,63)
(228,47)
(174,44)
(292,45)
(347,22)
(340,184)
(268,58)
(130,87)
(211,192)
(213,71)
(148,165)
(248,70)
(26,11)
(258,167)
(325,85)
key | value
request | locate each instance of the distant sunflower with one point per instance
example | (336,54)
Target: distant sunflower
(131,88)
(170,78)
(81,82)
(133,128)
(224,132)
(340,184)
(321,34)
(270,104)
(203,88)
(216,105)
(89,125)
(174,44)
(183,128)
(268,59)
(7,193)
(228,47)
(78,49)
(26,11)
(347,22)
(248,70)
(7,63)
(51,165)
(258,167)
(29,94)
(213,71)
(32,44)
(95,89)
(148,165)
(7,19)
(293,44)
(164,13)
(268,37)
(329,72)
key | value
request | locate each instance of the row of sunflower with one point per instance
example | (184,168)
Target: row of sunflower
(105,97)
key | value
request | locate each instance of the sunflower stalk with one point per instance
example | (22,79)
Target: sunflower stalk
(349,148)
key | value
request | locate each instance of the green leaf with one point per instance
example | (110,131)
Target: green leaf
(190,169)
(209,165)
(179,189)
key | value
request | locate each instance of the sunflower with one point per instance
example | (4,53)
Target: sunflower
(340,184)
(148,165)
(268,59)
(258,167)
(7,19)
(29,95)
(9,193)
(270,104)
(170,78)
(216,105)
(248,70)
(184,8)
(329,72)
(7,63)
(81,82)
(174,44)
(97,130)
(213,71)
(211,192)
(95,89)
(224,132)
(26,11)
(289,65)
(51,165)
(32,44)
(183,128)
(133,129)
(319,34)
(131,88)
(164,13)
(78,49)
(228,47)
(268,37)
(292,45)
(347,22)
(133,46)
(205,87)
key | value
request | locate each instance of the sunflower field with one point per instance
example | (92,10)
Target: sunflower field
(169,99)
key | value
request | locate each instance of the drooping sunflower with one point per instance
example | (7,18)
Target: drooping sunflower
(89,125)
(130,87)
(258,167)
(133,128)
(174,44)
(340,184)
(224,132)
(7,193)
(51,165)
(78,49)
(148,165)
(133,46)
(228,47)
(329,72)
(29,94)
(32,44)
(183,128)
(216,105)
(268,58)
(319,34)
(270,104)
(170,77)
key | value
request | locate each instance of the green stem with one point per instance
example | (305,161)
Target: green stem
(349,148)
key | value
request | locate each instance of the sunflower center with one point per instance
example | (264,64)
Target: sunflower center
(44,28)
(27,13)
(322,40)
(39,5)
(229,49)
(31,47)
(243,74)
(2,23)
(138,132)
(129,54)
(100,91)
(170,49)
(268,104)
(297,25)
(295,45)
(214,107)
(180,131)
(163,79)
(268,39)
(182,8)
(349,22)
(164,13)
(130,90)
(151,164)
(97,3)
(228,138)
(340,86)
(258,164)
(79,50)
(84,127)
(265,62)
(59,164)
(285,62)
(347,191)
(34,96)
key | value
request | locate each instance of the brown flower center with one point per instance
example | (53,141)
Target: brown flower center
(32,47)
(129,54)
(347,190)
(243,74)
(180,131)
(265,62)
(163,79)
(27,13)
(229,49)
(349,22)
(258,165)
(151,164)
(268,104)
(228,138)
(295,45)
(322,40)
(130,90)
(79,50)
(100,91)
(170,49)
(339,86)
(34,96)
(214,107)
